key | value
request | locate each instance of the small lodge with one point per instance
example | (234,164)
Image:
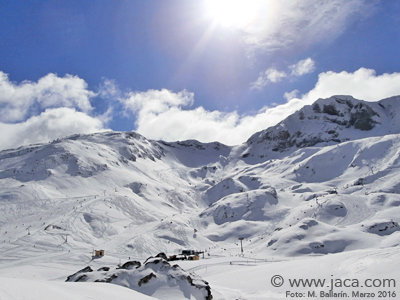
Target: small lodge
(99,253)
(187,255)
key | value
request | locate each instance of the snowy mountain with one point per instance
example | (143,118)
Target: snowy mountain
(326,122)
(325,180)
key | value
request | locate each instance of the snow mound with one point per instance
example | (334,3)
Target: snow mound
(16,288)
(224,188)
(253,205)
(152,278)
(381,227)
(310,236)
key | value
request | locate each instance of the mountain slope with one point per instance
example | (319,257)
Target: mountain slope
(324,180)
(326,122)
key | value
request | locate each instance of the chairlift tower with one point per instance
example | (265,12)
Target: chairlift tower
(241,245)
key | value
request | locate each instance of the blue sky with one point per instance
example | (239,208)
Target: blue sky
(186,69)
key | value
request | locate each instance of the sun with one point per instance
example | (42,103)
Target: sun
(234,13)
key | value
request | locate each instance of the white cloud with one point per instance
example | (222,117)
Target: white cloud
(154,101)
(163,114)
(18,101)
(362,84)
(303,67)
(291,95)
(172,123)
(273,75)
(109,89)
(165,118)
(270,75)
(53,107)
(51,124)
(301,23)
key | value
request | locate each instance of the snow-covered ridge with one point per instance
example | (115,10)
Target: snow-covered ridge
(326,122)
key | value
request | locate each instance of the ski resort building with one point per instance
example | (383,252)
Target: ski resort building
(99,253)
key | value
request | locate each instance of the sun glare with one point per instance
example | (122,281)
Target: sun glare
(234,13)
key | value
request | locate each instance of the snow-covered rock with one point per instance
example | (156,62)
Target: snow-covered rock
(152,278)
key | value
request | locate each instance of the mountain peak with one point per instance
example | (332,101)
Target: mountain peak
(325,122)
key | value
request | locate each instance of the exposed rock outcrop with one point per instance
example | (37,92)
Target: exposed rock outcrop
(154,274)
